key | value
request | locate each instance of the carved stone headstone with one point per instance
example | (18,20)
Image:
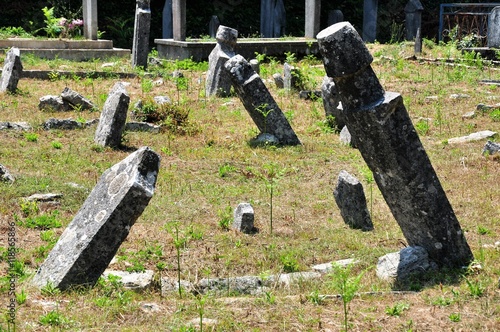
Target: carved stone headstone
(12,71)
(350,199)
(494,28)
(218,80)
(392,149)
(243,218)
(313,11)
(179,19)
(413,21)
(51,103)
(331,102)
(167,29)
(113,117)
(77,100)
(258,101)
(93,237)
(370,8)
(140,43)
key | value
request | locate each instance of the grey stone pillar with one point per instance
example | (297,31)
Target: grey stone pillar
(93,237)
(90,19)
(12,71)
(140,44)
(494,28)
(279,20)
(258,101)
(392,149)
(313,10)
(218,80)
(266,18)
(167,32)
(370,8)
(413,22)
(179,19)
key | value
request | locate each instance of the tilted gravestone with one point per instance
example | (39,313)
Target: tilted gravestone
(493,28)
(140,43)
(93,237)
(332,103)
(258,101)
(350,199)
(244,218)
(218,80)
(413,21)
(77,100)
(113,117)
(12,71)
(389,144)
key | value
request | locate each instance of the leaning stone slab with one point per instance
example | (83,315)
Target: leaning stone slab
(491,148)
(243,218)
(136,281)
(67,124)
(113,117)
(51,103)
(472,137)
(77,100)
(93,237)
(288,279)
(350,199)
(332,102)
(15,126)
(328,267)
(218,81)
(259,103)
(49,197)
(5,175)
(398,266)
(388,142)
(12,71)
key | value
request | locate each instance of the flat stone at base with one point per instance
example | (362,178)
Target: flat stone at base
(132,280)
(472,137)
(398,266)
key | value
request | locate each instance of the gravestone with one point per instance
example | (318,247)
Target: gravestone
(77,100)
(272,18)
(179,19)
(218,80)
(167,28)
(350,199)
(90,19)
(413,21)
(287,76)
(93,237)
(52,103)
(243,218)
(494,28)
(332,103)
(5,175)
(213,26)
(491,148)
(370,8)
(335,16)
(398,266)
(313,11)
(140,43)
(418,42)
(255,65)
(12,71)
(258,101)
(392,149)
(113,117)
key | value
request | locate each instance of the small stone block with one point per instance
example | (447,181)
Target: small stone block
(244,218)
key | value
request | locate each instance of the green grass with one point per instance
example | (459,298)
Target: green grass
(205,173)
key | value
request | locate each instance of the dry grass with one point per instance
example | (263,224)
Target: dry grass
(208,173)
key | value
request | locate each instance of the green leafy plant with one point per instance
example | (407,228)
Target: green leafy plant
(31,137)
(56,145)
(422,127)
(200,306)
(54,318)
(455,317)
(271,174)
(225,169)
(44,221)
(52,27)
(180,241)
(476,288)
(346,285)
(397,309)
(495,115)
(315,298)
(290,263)
(225,217)
(269,297)
(21,297)
(50,290)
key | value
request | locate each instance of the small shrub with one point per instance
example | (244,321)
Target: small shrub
(289,262)
(397,309)
(455,317)
(53,318)
(56,145)
(495,115)
(31,137)
(422,127)
(44,221)
(225,217)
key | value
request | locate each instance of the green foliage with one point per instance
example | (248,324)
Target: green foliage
(21,297)
(476,288)
(31,137)
(52,27)
(397,309)
(11,32)
(43,221)
(455,317)
(269,297)
(54,318)
(422,127)
(483,230)
(346,285)
(495,115)
(225,169)
(56,145)
(315,298)
(225,217)
(290,263)
(271,174)
(50,290)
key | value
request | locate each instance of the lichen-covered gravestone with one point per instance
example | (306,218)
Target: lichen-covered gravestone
(385,136)
(258,102)
(12,70)
(113,117)
(218,80)
(93,237)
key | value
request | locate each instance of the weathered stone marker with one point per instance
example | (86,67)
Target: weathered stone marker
(90,19)
(493,28)
(332,102)
(12,70)
(243,218)
(350,199)
(389,144)
(413,21)
(140,43)
(93,237)
(77,100)
(218,80)
(258,101)
(113,117)
(313,12)
(370,8)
